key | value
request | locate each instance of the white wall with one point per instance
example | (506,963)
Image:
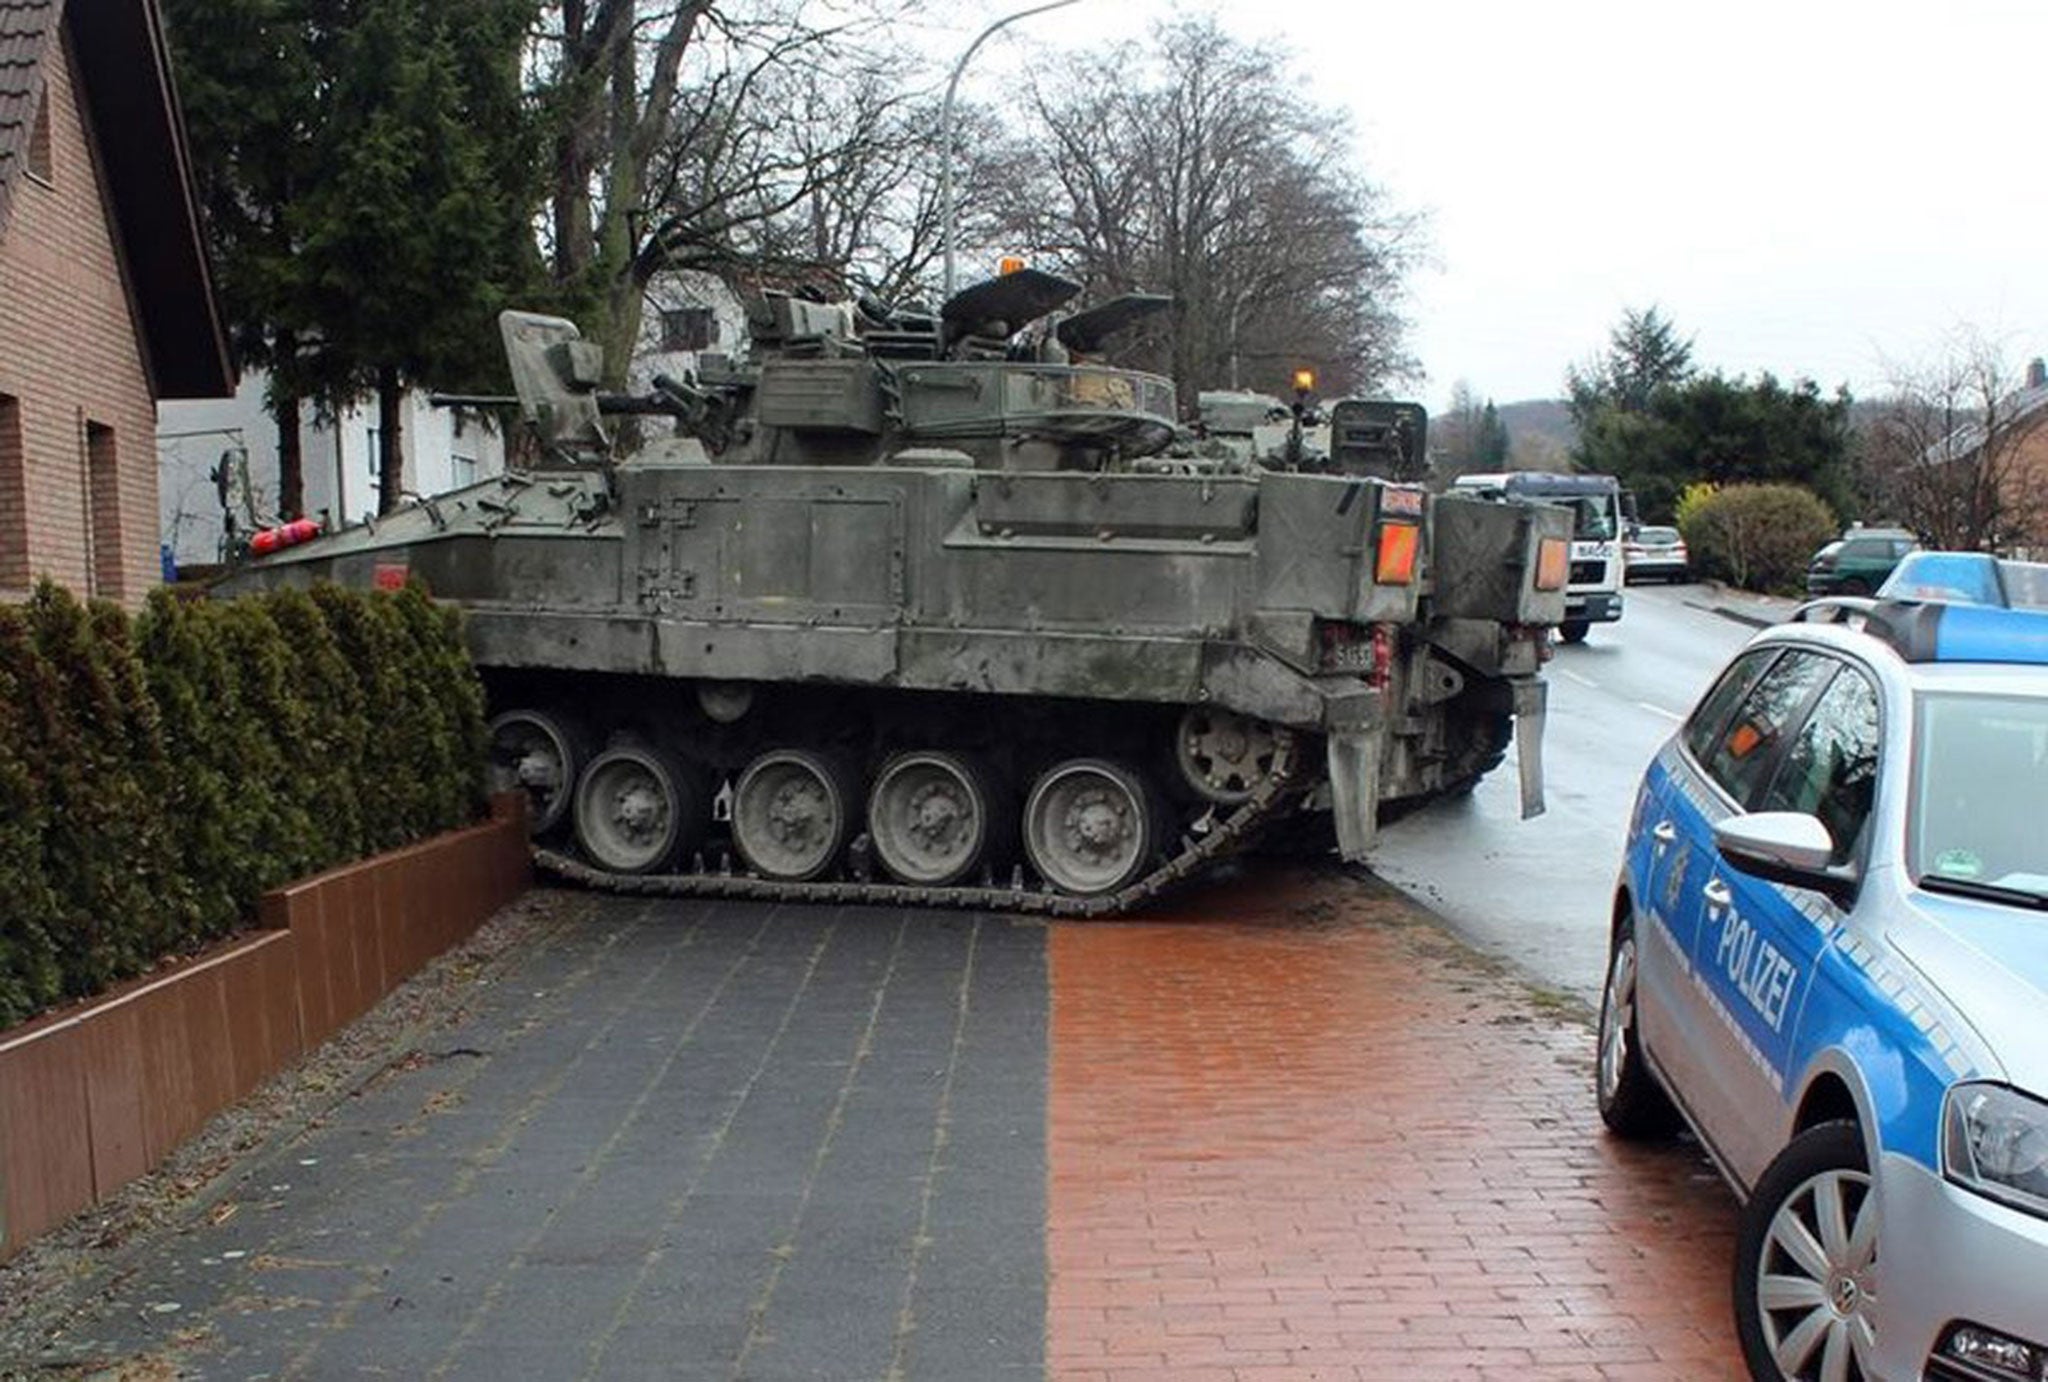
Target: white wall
(682,289)
(443,450)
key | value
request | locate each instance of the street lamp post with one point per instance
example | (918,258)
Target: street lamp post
(946,128)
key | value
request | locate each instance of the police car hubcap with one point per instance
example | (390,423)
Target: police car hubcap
(1619,1013)
(1812,1282)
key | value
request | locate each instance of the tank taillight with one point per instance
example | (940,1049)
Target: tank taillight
(1398,546)
(1553,563)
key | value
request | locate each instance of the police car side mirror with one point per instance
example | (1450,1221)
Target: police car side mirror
(1786,847)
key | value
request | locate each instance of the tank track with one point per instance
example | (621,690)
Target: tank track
(1194,854)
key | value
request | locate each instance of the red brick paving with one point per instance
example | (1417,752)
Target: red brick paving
(1296,1134)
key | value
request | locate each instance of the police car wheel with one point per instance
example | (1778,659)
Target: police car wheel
(1632,1104)
(1805,1260)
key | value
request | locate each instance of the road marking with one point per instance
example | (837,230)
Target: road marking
(1660,710)
(1583,681)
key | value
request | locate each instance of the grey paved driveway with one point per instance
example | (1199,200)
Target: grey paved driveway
(671,1140)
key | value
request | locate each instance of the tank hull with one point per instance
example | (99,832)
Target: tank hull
(1017,615)
(897,603)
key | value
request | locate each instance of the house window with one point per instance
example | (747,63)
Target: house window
(13,497)
(39,140)
(688,328)
(462,470)
(103,492)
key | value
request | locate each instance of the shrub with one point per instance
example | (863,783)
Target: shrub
(371,639)
(191,679)
(158,775)
(455,732)
(92,739)
(1757,537)
(1691,499)
(31,977)
(326,764)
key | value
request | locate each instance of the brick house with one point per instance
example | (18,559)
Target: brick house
(2028,481)
(2017,465)
(106,306)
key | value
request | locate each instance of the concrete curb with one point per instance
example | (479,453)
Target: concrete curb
(1744,607)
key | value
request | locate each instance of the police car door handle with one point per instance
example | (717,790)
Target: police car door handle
(1664,833)
(1716,893)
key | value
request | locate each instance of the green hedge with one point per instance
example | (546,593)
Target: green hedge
(158,774)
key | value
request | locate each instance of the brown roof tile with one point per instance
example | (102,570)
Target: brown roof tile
(122,74)
(25,30)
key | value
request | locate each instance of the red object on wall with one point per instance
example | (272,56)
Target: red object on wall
(285,535)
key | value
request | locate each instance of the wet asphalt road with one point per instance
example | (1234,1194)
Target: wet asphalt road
(1538,893)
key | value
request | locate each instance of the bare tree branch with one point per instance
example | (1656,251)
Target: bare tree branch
(1957,451)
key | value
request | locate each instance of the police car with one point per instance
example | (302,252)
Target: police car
(1830,959)
(1976,578)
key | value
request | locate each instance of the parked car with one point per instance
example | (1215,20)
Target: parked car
(1829,957)
(1857,562)
(1656,554)
(1976,578)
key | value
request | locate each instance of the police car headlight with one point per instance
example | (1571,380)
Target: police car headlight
(1994,1141)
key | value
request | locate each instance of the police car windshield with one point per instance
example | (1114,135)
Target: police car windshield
(1982,770)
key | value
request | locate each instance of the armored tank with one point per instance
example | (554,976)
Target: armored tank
(914,607)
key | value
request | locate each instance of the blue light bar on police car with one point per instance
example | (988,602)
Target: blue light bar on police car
(1980,633)
(1935,631)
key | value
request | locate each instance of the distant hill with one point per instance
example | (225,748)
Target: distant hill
(1539,417)
(1540,432)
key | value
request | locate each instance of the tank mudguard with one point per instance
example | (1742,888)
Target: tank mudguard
(1530,695)
(1353,763)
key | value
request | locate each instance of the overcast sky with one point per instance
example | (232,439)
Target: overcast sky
(1816,188)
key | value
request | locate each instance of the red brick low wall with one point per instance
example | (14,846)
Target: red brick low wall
(94,1096)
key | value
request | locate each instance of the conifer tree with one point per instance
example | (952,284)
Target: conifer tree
(107,857)
(199,707)
(326,761)
(31,977)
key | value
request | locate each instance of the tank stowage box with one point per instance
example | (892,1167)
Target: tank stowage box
(914,607)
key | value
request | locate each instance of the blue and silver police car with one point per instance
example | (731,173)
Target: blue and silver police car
(1830,959)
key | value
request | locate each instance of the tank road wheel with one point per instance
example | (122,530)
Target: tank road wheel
(792,813)
(540,754)
(637,808)
(932,817)
(1223,755)
(1090,826)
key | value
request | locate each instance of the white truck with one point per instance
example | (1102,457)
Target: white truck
(1593,593)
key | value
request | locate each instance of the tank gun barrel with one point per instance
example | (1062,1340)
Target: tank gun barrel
(473,400)
(670,397)
(642,403)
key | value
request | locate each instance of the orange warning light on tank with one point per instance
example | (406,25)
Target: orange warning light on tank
(1395,563)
